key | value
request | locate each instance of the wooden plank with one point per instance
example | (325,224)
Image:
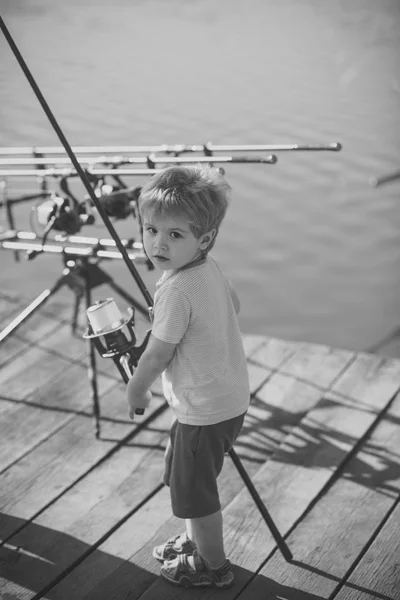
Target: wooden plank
(273,413)
(252,342)
(321,442)
(287,395)
(51,467)
(58,336)
(274,353)
(379,374)
(25,425)
(52,310)
(315,364)
(68,528)
(133,568)
(276,408)
(38,325)
(67,345)
(57,305)
(30,370)
(9,306)
(328,542)
(281,396)
(10,348)
(314,449)
(237,482)
(20,377)
(378,574)
(312,363)
(303,465)
(29,333)
(384,372)
(258,376)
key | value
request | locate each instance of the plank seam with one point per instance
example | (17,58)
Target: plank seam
(341,466)
(104,458)
(261,385)
(84,412)
(256,349)
(46,310)
(29,344)
(258,363)
(371,540)
(335,475)
(323,389)
(94,547)
(363,552)
(55,374)
(35,446)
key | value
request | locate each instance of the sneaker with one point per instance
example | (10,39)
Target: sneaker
(193,572)
(174,547)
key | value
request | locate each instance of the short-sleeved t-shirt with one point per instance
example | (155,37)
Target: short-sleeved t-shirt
(206,381)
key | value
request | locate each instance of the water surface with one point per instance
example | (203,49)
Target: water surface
(312,248)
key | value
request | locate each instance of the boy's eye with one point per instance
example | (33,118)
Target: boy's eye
(151,229)
(175,235)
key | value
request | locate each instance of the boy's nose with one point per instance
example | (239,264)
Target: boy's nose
(161,243)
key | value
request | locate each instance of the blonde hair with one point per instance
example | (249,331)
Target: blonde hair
(199,194)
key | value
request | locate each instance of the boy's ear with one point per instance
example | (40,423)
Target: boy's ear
(207,238)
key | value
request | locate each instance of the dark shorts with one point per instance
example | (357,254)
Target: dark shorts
(193,461)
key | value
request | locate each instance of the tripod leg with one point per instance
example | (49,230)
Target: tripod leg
(75,314)
(31,309)
(92,373)
(283,547)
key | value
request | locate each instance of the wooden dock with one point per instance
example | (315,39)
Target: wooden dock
(79,515)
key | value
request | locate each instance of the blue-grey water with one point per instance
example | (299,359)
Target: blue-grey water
(312,248)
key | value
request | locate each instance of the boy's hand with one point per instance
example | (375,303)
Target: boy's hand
(152,363)
(138,402)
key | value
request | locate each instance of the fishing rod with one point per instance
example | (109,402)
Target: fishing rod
(378,181)
(72,239)
(105,320)
(53,172)
(150,160)
(176,149)
(84,178)
(71,246)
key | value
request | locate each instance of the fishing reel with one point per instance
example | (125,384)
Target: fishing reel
(118,201)
(105,329)
(66,214)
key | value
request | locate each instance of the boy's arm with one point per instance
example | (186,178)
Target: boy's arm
(235,298)
(152,363)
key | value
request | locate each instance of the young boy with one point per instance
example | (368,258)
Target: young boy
(196,344)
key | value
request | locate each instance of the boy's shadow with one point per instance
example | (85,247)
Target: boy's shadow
(44,562)
(36,557)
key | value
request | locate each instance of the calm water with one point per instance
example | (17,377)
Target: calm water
(313,249)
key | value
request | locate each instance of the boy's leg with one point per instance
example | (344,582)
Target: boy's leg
(207,534)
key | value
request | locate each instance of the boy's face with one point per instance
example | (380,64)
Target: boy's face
(169,242)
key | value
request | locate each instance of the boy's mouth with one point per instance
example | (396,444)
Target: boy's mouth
(159,257)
